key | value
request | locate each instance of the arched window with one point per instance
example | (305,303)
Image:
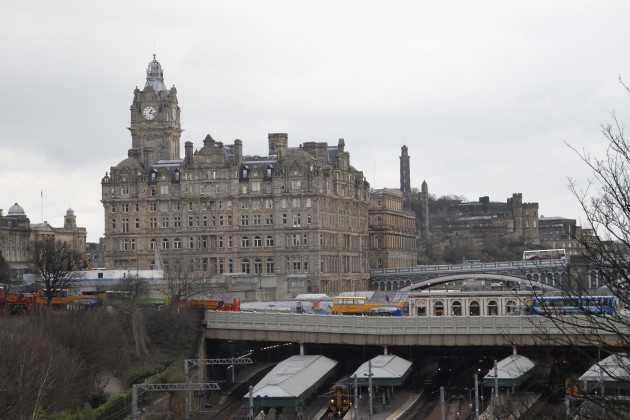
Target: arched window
(421,308)
(510,307)
(258,266)
(165,243)
(257,241)
(245,265)
(549,278)
(177,243)
(153,245)
(244,242)
(438,308)
(269,241)
(474,309)
(456,308)
(493,308)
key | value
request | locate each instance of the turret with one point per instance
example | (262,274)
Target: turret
(69,220)
(188,153)
(278,142)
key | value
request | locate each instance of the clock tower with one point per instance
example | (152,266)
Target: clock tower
(155,128)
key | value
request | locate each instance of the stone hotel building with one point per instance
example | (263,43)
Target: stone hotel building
(293,220)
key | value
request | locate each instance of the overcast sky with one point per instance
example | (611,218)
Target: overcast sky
(484,93)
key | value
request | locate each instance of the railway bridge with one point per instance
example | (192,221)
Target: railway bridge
(547,274)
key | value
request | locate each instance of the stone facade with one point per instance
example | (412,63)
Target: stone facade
(96,254)
(469,223)
(17,233)
(392,230)
(268,226)
(560,232)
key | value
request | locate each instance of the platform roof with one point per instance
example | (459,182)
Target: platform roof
(386,370)
(613,372)
(291,380)
(511,371)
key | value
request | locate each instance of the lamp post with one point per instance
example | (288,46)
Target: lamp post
(470,404)
(356,397)
(482,392)
(369,375)
(476,378)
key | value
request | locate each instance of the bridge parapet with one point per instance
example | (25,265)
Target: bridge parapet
(482,267)
(391,331)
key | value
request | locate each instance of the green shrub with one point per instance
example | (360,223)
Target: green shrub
(84,413)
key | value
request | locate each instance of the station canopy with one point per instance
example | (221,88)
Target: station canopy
(291,380)
(511,371)
(386,370)
(613,372)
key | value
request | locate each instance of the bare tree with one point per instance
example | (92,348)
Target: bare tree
(134,287)
(604,256)
(39,376)
(56,264)
(181,283)
(5,271)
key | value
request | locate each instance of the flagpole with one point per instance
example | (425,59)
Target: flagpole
(42,196)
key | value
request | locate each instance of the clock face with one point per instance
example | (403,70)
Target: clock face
(149,113)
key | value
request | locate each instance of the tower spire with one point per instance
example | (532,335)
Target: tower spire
(155,76)
(405,176)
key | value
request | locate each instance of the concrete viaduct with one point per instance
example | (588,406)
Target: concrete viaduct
(396,331)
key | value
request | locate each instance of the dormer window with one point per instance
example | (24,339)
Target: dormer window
(177,175)
(268,171)
(244,173)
